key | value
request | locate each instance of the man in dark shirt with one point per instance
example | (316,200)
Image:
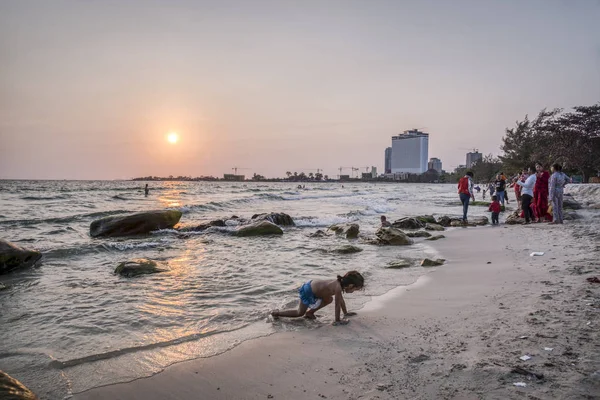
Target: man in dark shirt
(500,185)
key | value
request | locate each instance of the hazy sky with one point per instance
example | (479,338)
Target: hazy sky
(89,89)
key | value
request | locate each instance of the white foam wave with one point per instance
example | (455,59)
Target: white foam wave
(323,221)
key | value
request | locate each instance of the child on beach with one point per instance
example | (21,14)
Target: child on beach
(495,209)
(384,222)
(316,294)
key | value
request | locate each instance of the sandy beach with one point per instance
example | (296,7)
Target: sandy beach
(459,332)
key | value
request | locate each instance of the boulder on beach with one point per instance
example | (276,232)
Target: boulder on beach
(446,221)
(140,266)
(479,221)
(348,230)
(347,249)
(12,389)
(399,264)
(418,234)
(408,223)
(433,227)
(280,219)
(135,224)
(260,228)
(570,204)
(14,257)
(436,237)
(432,263)
(393,237)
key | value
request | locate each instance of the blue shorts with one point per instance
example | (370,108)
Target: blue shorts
(307,297)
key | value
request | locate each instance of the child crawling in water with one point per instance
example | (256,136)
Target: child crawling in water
(316,294)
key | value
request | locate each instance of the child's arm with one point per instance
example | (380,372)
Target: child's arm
(345,311)
(339,300)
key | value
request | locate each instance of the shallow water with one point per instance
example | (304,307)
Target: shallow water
(71,324)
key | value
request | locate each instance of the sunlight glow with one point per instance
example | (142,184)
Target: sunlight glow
(173,137)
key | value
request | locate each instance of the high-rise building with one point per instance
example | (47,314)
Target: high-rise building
(410,151)
(388,160)
(435,163)
(473,157)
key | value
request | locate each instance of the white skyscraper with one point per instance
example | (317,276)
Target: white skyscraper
(410,152)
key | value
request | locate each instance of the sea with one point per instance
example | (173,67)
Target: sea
(70,324)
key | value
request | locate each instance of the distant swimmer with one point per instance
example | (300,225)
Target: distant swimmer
(315,295)
(146,190)
(384,222)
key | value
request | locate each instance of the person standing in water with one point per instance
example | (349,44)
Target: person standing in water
(146,190)
(465,192)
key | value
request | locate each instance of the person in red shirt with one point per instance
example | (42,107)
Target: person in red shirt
(541,193)
(495,209)
(465,193)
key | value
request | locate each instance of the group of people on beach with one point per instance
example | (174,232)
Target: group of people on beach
(539,194)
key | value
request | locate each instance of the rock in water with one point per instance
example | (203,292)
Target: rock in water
(347,249)
(12,389)
(418,234)
(479,221)
(434,227)
(408,223)
(140,266)
(135,224)
(280,219)
(392,236)
(259,229)
(2,286)
(349,230)
(318,234)
(432,263)
(426,219)
(202,227)
(436,237)
(15,257)
(398,264)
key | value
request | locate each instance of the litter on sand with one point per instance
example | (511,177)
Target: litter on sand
(548,348)
(523,337)
(525,358)
(520,384)
(537,253)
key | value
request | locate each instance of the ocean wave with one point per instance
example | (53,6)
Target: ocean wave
(119,197)
(116,353)
(70,218)
(58,197)
(315,222)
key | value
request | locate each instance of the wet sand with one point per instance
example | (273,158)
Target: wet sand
(457,333)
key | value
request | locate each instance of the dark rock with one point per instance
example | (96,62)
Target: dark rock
(514,218)
(259,228)
(280,219)
(420,358)
(570,204)
(436,237)
(446,221)
(392,236)
(433,227)
(398,264)
(571,216)
(479,221)
(14,257)
(135,224)
(12,389)
(349,230)
(418,234)
(432,263)
(140,266)
(318,234)
(426,219)
(408,223)
(347,249)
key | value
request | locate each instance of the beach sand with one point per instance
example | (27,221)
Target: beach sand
(457,333)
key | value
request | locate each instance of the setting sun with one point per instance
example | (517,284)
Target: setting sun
(173,137)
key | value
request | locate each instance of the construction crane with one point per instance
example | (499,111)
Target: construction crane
(235,169)
(354,169)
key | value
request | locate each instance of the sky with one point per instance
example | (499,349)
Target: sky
(90,89)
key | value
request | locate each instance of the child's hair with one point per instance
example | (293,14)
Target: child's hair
(383,217)
(351,278)
(494,198)
(557,167)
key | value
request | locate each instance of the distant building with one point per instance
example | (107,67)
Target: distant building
(473,157)
(233,177)
(388,160)
(344,177)
(370,175)
(460,168)
(435,163)
(410,152)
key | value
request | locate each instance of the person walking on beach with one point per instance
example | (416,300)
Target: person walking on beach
(558,180)
(495,209)
(384,222)
(500,186)
(527,196)
(540,193)
(465,193)
(146,190)
(316,294)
